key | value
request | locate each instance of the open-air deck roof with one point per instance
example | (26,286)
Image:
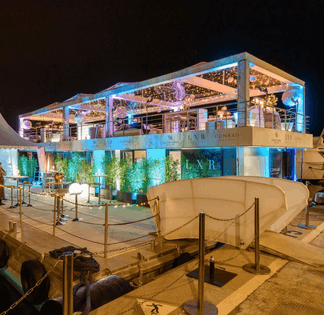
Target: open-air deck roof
(204,83)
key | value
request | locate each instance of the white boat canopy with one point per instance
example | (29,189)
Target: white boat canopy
(225,198)
(10,139)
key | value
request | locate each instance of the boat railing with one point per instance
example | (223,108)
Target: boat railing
(176,120)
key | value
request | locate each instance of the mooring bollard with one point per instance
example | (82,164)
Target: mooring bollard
(106,230)
(200,306)
(256,268)
(68,283)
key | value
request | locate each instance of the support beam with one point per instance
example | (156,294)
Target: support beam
(214,86)
(143,100)
(109,102)
(243,91)
(66,124)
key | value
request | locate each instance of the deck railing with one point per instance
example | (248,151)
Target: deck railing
(222,116)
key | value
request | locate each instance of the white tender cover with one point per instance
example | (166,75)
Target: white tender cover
(223,198)
(296,193)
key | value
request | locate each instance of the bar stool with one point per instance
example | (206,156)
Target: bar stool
(97,185)
(12,188)
(89,186)
(76,194)
(63,216)
(23,188)
(29,194)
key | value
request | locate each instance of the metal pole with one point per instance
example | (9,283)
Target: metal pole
(68,284)
(106,230)
(256,268)
(20,203)
(201,276)
(54,215)
(199,306)
(257,231)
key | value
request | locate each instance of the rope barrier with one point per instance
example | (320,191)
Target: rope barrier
(131,222)
(231,219)
(36,220)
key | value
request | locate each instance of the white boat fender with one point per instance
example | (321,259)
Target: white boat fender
(32,270)
(4,253)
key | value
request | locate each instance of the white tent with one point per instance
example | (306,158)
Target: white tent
(10,141)
(222,198)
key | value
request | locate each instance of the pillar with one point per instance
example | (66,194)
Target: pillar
(66,124)
(243,92)
(109,101)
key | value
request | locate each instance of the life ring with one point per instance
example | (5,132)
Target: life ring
(4,253)
(33,270)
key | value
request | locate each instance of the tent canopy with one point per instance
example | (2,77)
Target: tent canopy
(10,139)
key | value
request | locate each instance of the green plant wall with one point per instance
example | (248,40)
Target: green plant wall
(27,167)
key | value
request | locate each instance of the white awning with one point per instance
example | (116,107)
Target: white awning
(10,139)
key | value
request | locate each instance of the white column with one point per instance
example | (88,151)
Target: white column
(66,123)
(243,92)
(109,101)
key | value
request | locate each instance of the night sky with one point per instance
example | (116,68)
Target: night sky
(52,50)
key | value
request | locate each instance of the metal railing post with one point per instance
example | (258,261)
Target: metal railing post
(54,215)
(256,268)
(200,306)
(106,230)
(68,283)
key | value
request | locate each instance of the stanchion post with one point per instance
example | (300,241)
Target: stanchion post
(20,203)
(256,268)
(54,215)
(68,283)
(285,230)
(306,225)
(201,277)
(106,230)
(200,306)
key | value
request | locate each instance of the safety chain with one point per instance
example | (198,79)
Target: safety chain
(226,260)
(231,219)
(146,242)
(156,294)
(32,289)
(131,222)
(36,220)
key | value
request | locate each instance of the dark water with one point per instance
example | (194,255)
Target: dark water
(9,295)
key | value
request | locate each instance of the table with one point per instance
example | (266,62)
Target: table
(45,177)
(99,202)
(17,178)
(58,183)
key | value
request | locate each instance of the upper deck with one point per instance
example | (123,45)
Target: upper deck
(196,106)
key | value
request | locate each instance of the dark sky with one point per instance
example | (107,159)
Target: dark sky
(51,50)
